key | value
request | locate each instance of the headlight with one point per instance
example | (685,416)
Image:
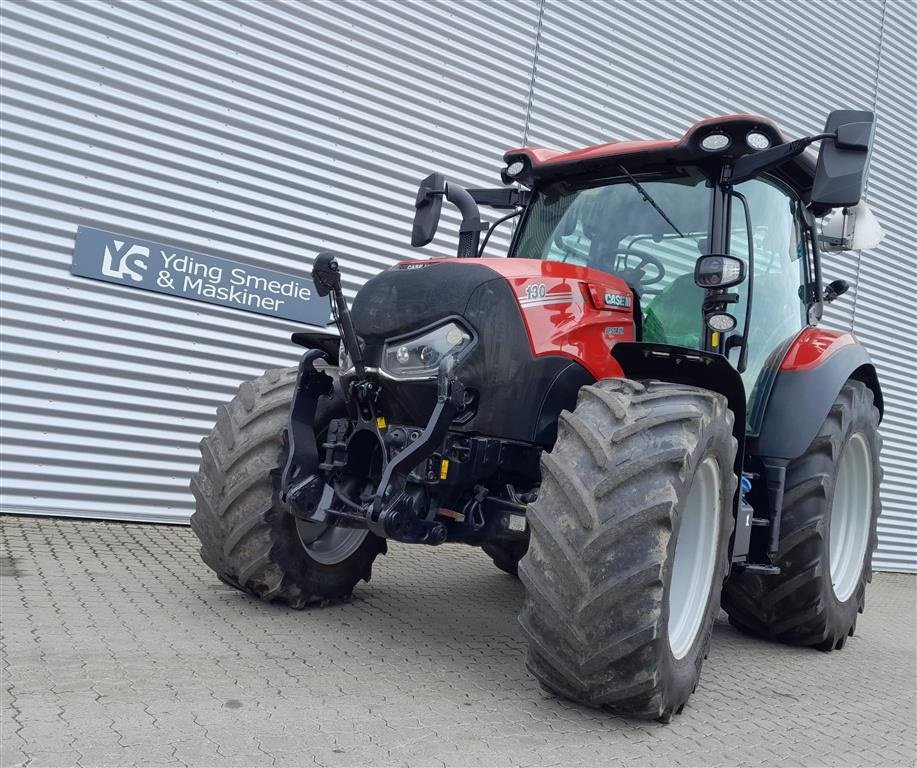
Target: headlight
(419,357)
(345,364)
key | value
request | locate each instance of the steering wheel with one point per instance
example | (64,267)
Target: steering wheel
(636,273)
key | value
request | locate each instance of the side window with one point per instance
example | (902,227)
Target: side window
(777,311)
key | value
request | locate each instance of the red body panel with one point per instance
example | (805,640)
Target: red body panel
(542,157)
(813,346)
(565,310)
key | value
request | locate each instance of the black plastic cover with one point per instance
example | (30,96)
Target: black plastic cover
(329,343)
(799,402)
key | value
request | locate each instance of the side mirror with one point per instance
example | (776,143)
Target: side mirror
(428,207)
(843,159)
(834,290)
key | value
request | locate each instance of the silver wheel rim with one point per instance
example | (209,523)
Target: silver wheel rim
(695,557)
(851,514)
(329,544)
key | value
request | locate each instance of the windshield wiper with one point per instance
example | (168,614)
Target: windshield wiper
(646,196)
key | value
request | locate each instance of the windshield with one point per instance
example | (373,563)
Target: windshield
(649,233)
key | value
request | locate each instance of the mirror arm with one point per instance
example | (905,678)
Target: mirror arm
(749,166)
(506,198)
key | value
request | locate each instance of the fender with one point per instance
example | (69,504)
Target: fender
(709,370)
(329,343)
(807,382)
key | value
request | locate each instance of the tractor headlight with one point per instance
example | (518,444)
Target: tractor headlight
(715,142)
(418,357)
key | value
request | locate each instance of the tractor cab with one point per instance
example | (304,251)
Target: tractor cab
(651,224)
(662,214)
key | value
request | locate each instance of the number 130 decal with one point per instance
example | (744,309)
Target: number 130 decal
(535,291)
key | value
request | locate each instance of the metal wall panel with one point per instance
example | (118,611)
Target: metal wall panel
(885,318)
(261,132)
(265,132)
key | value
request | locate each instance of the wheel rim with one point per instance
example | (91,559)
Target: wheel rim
(329,544)
(695,557)
(851,514)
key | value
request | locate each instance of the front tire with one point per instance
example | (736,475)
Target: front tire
(827,535)
(247,537)
(629,546)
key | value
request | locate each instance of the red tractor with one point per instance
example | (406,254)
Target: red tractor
(636,410)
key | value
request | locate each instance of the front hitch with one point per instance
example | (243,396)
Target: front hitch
(394,510)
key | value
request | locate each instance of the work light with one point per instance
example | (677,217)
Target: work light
(719,271)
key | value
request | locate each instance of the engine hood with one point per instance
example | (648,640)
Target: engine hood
(413,295)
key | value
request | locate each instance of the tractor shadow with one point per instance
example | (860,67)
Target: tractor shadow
(452,614)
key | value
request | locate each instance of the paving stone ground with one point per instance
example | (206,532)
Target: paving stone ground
(119,647)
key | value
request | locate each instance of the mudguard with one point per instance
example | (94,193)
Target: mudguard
(642,360)
(809,378)
(329,343)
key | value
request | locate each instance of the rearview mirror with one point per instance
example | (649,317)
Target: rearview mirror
(843,159)
(428,207)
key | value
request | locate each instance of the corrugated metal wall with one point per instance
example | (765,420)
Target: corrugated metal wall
(885,317)
(265,132)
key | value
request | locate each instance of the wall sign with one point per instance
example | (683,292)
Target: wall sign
(152,266)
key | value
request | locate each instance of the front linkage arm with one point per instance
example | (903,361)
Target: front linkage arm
(301,483)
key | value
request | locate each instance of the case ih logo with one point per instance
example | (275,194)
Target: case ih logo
(127,261)
(616,299)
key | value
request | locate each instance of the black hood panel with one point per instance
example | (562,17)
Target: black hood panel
(407,297)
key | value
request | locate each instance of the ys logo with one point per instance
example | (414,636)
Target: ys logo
(128,261)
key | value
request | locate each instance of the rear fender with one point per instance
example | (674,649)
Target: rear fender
(807,383)
(707,370)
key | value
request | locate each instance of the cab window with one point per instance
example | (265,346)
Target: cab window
(778,311)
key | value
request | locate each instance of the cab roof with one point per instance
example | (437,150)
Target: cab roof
(552,164)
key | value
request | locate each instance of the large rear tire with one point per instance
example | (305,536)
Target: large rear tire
(827,535)
(629,546)
(247,537)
